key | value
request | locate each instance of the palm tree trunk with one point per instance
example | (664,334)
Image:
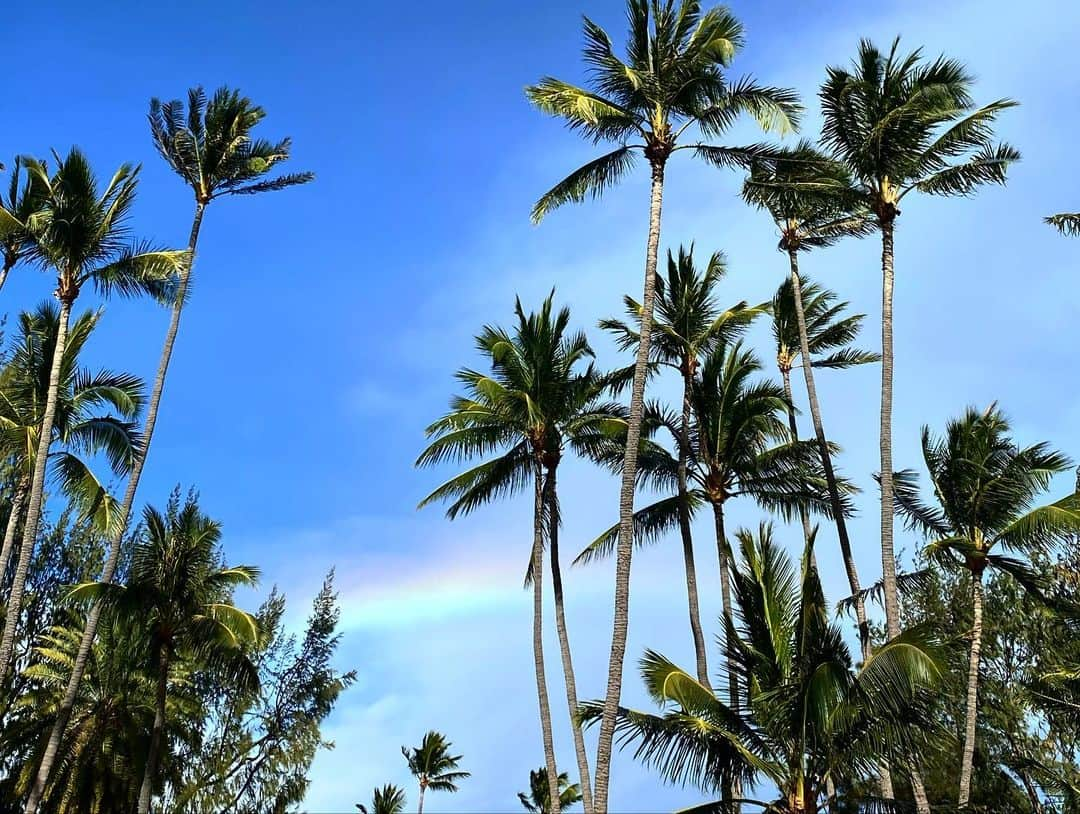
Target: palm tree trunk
(36,494)
(5,271)
(804,515)
(147,788)
(688,540)
(17,504)
(63,714)
(538,637)
(888,556)
(723,550)
(420,801)
(826,461)
(972,690)
(625,547)
(552,502)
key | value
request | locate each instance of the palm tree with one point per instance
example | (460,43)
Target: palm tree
(111,723)
(537,800)
(1068,223)
(24,199)
(810,717)
(688,323)
(95,413)
(901,125)
(180,595)
(390,799)
(211,147)
(80,233)
(433,766)
(671,80)
(535,403)
(985,488)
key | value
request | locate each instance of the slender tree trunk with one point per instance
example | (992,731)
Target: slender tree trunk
(36,494)
(538,638)
(552,501)
(18,501)
(147,789)
(5,271)
(724,551)
(687,538)
(888,556)
(826,462)
(804,515)
(972,690)
(63,714)
(626,502)
(420,802)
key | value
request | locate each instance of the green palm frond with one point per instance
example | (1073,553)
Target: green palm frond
(1068,223)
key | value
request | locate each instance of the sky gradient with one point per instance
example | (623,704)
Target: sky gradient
(326,321)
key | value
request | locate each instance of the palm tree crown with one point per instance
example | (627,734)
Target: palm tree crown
(900,124)
(671,79)
(537,801)
(211,147)
(432,764)
(808,716)
(390,799)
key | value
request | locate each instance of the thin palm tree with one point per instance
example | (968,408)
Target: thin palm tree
(672,80)
(985,488)
(210,145)
(1068,223)
(95,413)
(537,401)
(24,199)
(813,205)
(433,766)
(81,233)
(537,801)
(390,799)
(180,595)
(902,125)
(688,323)
(809,719)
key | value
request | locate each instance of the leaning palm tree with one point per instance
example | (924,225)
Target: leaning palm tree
(672,80)
(433,766)
(1068,223)
(24,199)
(180,595)
(985,488)
(95,413)
(901,125)
(811,721)
(537,800)
(210,145)
(688,324)
(81,234)
(390,799)
(537,401)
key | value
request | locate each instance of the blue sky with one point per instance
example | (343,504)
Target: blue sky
(326,322)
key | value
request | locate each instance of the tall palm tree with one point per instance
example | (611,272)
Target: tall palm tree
(687,324)
(985,488)
(537,800)
(537,401)
(24,199)
(672,79)
(433,766)
(180,595)
(810,717)
(390,799)
(813,205)
(902,125)
(210,145)
(1068,223)
(81,233)
(95,413)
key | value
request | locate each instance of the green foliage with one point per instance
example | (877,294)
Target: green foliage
(829,334)
(432,764)
(538,798)
(810,715)
(389,799)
